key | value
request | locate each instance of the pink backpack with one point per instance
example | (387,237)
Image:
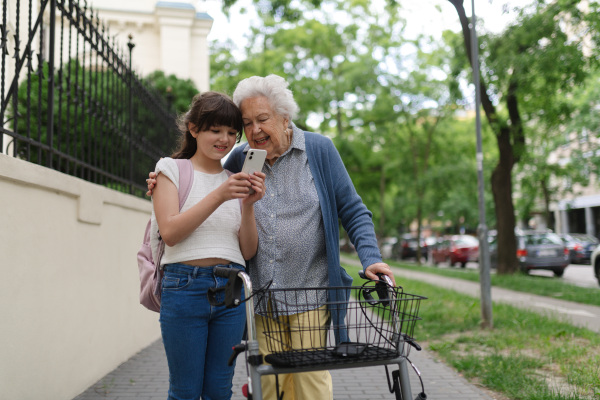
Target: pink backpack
(151,273)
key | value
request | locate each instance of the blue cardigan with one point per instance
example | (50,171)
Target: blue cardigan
(339,200)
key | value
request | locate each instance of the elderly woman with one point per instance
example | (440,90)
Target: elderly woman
(307,191)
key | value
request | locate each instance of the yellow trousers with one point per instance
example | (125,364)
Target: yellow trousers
(316,385)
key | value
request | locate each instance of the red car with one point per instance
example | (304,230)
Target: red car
(459,249)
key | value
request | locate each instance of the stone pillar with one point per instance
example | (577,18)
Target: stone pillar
(564,218)
(174,25)
(199,55)
(557,221)
(590,227)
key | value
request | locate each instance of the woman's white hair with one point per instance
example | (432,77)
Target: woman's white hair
(274,88)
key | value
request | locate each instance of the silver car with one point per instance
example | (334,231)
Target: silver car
(542,250)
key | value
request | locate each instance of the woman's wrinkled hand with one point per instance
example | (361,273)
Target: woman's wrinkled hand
(151,182)
(257,182)
(379,268)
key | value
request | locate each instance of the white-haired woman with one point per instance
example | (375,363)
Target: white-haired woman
(307,191)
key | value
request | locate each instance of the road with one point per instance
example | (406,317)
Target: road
(580,275)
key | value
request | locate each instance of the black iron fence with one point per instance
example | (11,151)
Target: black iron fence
(70,100)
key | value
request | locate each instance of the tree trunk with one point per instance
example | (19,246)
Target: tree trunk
(505,212)
(419,217)
(507,137)
(546,193)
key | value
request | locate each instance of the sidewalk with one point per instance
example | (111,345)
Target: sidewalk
(145,375)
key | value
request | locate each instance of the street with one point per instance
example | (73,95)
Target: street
(580,275)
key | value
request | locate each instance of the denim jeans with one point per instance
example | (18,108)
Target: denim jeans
(198,337)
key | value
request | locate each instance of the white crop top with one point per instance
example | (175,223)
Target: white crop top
(218,236)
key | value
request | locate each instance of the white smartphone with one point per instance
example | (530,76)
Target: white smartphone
(254,161)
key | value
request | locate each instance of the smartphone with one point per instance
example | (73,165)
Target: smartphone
(254,162)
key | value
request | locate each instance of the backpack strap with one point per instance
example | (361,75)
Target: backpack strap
(186,178)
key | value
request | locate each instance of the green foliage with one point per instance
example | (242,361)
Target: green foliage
(78,130)
(358,80)
(91,135)
(380,97)
(178,92)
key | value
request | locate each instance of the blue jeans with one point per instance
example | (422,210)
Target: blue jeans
(198,337)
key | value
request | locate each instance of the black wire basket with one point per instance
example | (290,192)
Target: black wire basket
(375,323)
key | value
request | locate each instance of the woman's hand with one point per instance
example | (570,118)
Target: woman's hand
(151,181)
(257,180)
(381,267)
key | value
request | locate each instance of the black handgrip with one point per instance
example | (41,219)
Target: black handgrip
(224,272)
(233,288)
(412,342)
(236,350)
(381,287)
(382,277)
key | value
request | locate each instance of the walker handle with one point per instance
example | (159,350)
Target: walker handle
(233,288)
(382,277)
(224,272)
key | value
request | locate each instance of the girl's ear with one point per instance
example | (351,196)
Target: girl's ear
(192,129)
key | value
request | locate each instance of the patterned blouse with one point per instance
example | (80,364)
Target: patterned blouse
(291,236)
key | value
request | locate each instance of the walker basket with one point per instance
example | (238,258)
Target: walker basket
(374,324)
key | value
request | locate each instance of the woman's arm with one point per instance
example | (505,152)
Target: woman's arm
(356,219)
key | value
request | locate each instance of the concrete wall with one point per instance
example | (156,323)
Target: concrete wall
(69,306)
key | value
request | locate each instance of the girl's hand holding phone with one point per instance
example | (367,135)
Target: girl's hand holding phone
(239,186)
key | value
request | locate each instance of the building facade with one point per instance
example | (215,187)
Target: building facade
(168,36)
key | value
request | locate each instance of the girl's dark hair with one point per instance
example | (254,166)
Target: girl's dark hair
(208,109)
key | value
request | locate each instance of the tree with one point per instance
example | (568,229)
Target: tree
(563,162)
(355,82)
(523,70)
(178,92)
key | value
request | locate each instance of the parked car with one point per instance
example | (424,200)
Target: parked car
(407,248)
(580,246)
(595,260)
(457,249)
(537,250)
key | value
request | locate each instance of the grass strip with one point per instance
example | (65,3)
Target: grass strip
(527,356)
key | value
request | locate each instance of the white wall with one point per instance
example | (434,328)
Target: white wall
(69,303)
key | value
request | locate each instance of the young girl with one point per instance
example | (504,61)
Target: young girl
(213,228)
